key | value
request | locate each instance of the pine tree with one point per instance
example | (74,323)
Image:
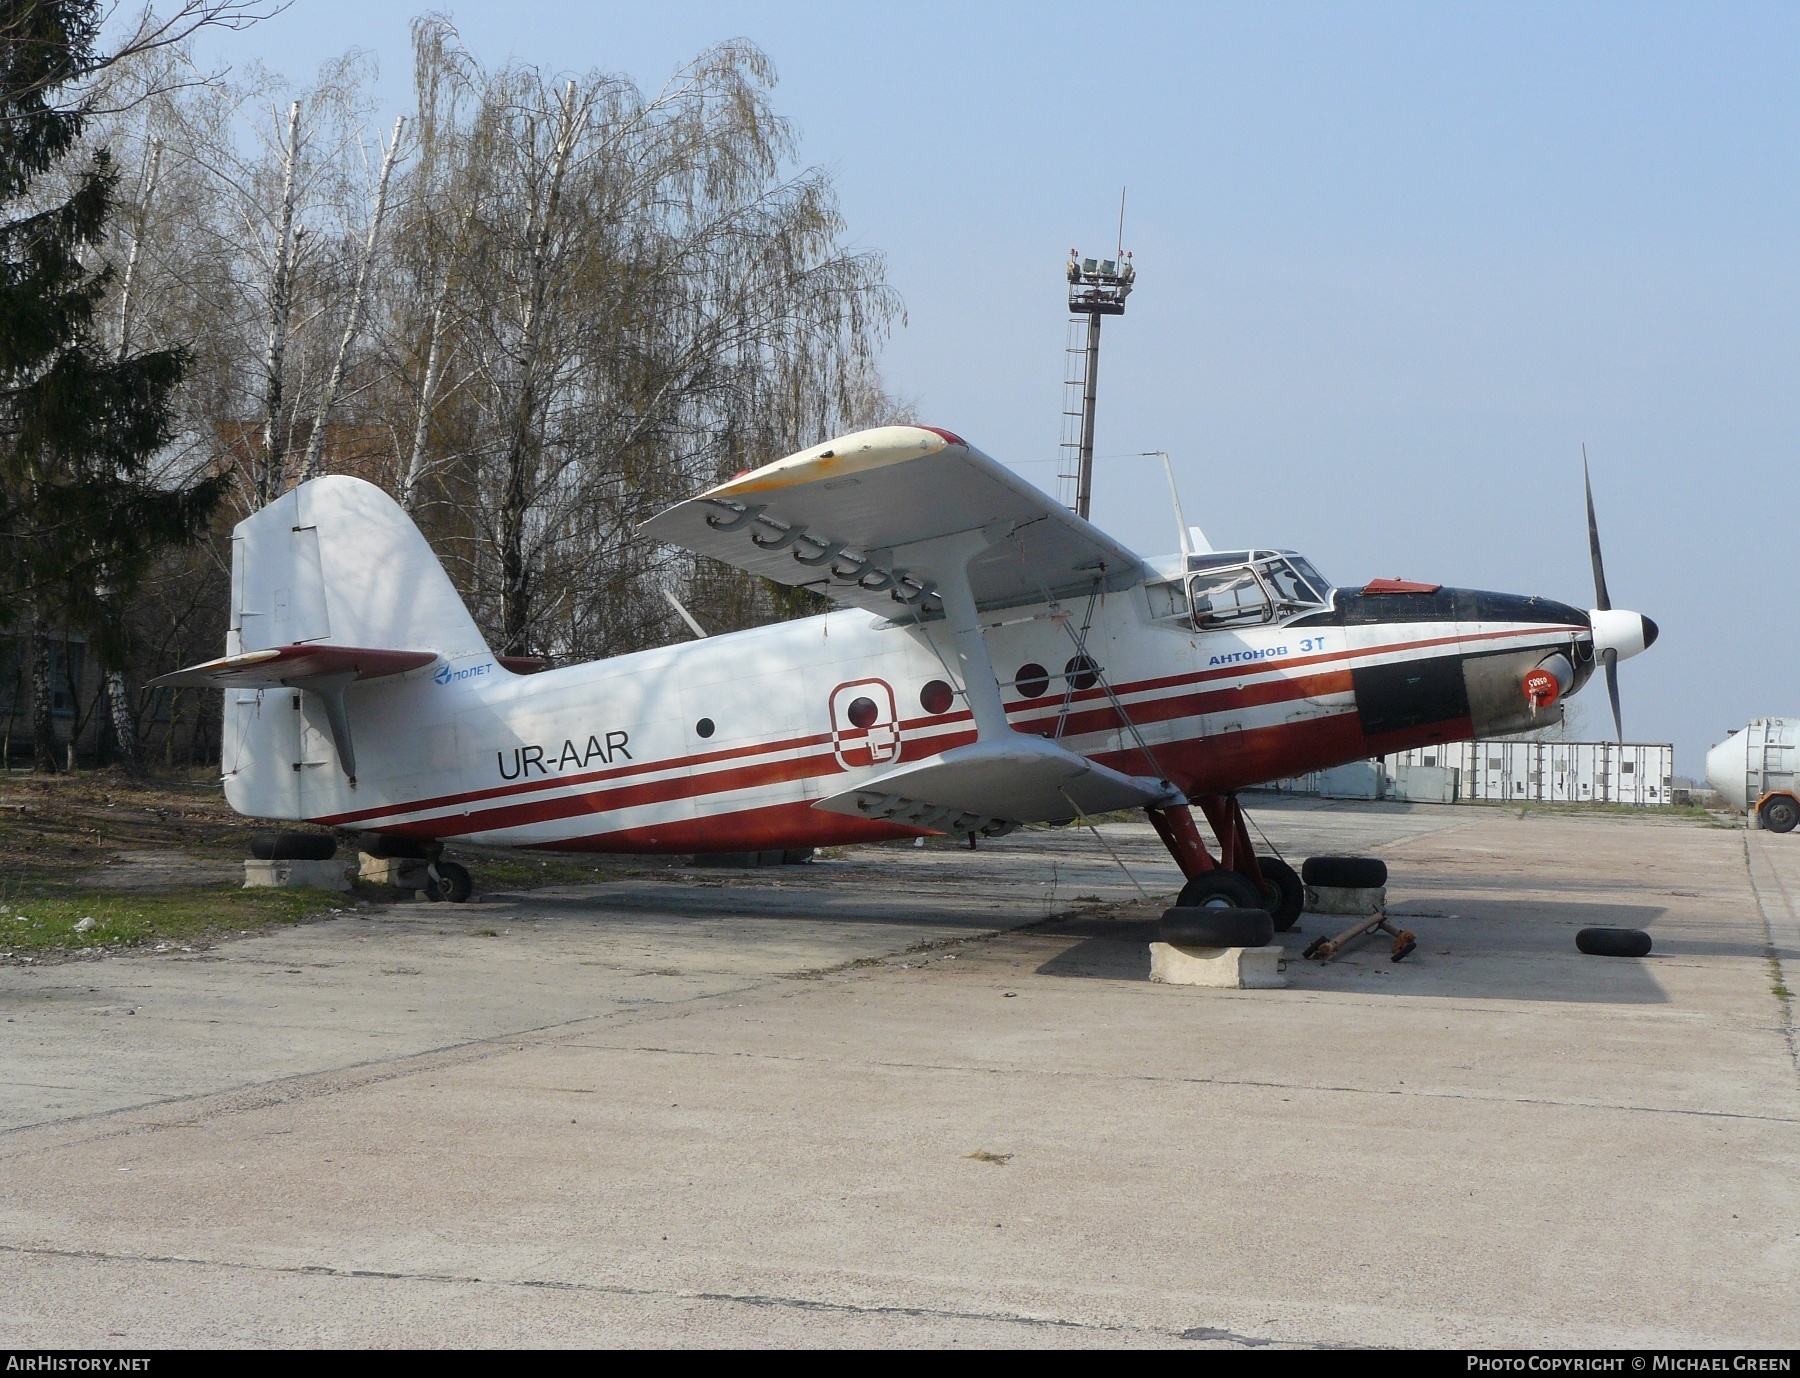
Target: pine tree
(81,515)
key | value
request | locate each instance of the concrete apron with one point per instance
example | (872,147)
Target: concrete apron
(686,1114)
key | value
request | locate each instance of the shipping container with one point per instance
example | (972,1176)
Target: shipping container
(1524,772)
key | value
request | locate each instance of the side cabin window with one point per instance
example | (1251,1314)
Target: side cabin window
(1168,601)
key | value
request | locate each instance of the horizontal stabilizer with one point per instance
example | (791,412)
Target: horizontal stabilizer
(847,517)
(292,665)
(994,786)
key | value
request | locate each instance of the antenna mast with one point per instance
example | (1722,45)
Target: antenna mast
(1096,289)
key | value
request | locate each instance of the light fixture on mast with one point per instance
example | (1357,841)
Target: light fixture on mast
(1097,288)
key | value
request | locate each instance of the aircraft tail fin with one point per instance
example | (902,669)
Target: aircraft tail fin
(338,607)
(337,562)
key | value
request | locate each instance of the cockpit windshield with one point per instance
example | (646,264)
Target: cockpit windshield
(1286,575)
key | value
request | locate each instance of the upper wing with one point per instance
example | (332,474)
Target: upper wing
(839,517)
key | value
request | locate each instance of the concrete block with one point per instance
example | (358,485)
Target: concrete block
(1344,899)
(296,875)
(1233,968)
(400,872)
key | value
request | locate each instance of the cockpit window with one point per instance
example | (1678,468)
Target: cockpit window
(1216,559)
(1227,597)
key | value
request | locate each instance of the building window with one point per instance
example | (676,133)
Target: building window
(66,660)
(12,675)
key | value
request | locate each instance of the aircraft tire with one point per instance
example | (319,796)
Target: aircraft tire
(1284,893)
(1345,872)
(1220,889)
(455,884)
(293,846)
(1780,814)
(1613,942)
(1216,927)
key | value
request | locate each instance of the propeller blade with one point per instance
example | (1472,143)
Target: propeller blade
(1601,600)
(1612,689)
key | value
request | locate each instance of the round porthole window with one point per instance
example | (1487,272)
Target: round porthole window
(703,728)
(1082,673)
(1033,680)
(862,712)
(936,697)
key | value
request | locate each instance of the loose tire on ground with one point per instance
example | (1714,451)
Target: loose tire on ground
(1345,872)
(293,846)
(1780,814)
(1613,942)
(1284,895)
(1219,889)
(1216,927)
(454,883)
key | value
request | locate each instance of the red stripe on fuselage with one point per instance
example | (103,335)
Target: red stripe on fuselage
(765,828)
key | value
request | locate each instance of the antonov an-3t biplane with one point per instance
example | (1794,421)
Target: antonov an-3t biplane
(996,661)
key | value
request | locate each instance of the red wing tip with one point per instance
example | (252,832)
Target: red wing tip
(950,436)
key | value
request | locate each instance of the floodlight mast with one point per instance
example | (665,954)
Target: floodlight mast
(1096,289)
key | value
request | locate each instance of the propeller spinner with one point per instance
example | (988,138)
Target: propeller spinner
(1618,635)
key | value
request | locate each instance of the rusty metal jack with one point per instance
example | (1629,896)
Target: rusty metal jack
(1326,948)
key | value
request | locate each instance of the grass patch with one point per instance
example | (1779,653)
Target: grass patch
(47,922)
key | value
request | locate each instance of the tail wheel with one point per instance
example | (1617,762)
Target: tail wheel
(1284,895)
(1220,889)
(1780,814)
(454,883)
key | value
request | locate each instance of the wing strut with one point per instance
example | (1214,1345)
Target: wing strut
(947,560)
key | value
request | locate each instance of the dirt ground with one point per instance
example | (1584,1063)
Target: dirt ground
(160,861)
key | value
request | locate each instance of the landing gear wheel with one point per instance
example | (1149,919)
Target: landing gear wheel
(1215,927)
(454,883)
(1780,814)
(1219,889)
(1284,896)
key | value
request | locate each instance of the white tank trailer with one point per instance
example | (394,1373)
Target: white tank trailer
(1754,769)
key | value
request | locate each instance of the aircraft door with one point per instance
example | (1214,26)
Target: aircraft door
(865,728)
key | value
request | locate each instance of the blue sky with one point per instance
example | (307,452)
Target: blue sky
(1396,263)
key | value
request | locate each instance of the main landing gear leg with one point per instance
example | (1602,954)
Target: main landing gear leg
(1277,885)
(1209,885)
(1175,826)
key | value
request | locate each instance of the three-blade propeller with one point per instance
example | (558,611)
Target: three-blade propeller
(1619,633)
